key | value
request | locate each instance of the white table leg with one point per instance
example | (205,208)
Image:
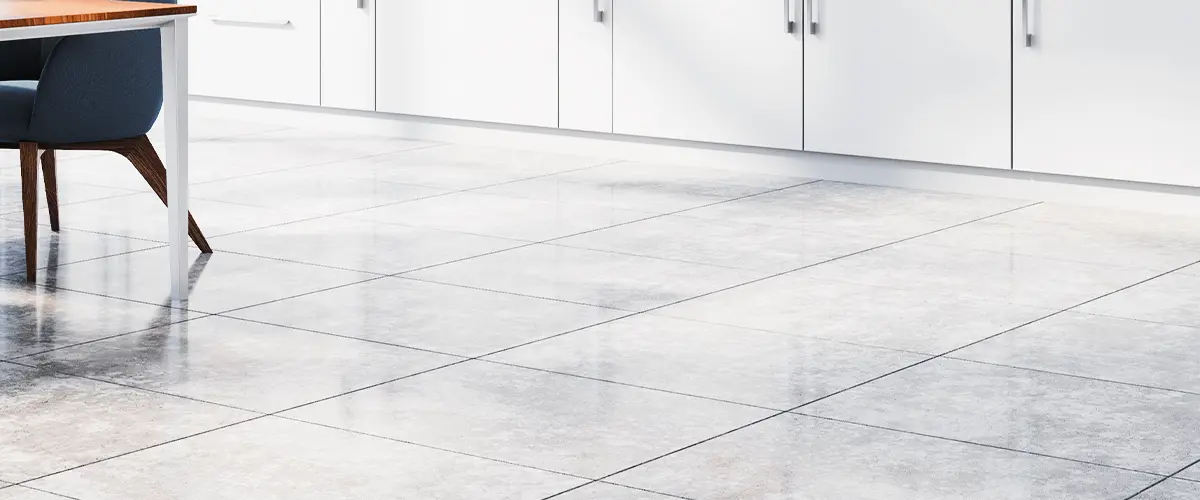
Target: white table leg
(175,107)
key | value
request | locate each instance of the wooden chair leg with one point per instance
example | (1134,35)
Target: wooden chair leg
(29,203)
(145,159)
(50,175)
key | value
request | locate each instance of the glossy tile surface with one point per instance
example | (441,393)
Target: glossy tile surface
(802,457)
(307,462)
(1174,298)
(51,422)
(1014,279)
(589,277)
(443,318)
(732,364)
(218,281)
(532,418)
(240,363)
(630,317)
(360,245)
(848,312)
(1172,489)
(1149,430)
(500,216)
(1135,352)
(35,319)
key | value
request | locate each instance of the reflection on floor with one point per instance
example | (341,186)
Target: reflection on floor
(387,318)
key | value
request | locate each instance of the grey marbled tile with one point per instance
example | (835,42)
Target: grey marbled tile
(50,422)
(588,276)
(1106,423)
(721,362)
(240,363)
(1174,298)
(1172,489)
(444,318)
(278,459)
(799,457)
(528,417)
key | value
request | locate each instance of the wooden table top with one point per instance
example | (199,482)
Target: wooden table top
(19,13)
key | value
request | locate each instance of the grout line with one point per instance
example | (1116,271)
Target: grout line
(1072,375)
(1165,479)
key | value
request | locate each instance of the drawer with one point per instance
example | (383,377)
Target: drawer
(263,50)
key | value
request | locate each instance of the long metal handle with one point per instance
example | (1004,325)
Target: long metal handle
(789,16)
(814,18)
(1026,24)
(597,11)
(251,21)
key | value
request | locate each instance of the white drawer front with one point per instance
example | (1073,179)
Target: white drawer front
(264,50)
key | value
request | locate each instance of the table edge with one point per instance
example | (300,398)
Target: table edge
(166,11)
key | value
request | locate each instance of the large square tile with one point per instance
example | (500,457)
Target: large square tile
(444,318)
(884,317)
(733,364)
(1191,473)
(1014,279)
(459,166)
(1172,489)
(50,422)
(857,209)
(1173,298)
(36,319)
(305,191)
(723,243)
(1127,240)
(360,245)
(500,216)
(218,281)
(68,192)
(24,493)
(1106,423)
(588,276)
(533,418)
(648,187)
(1122,350)
(63,247)
(277,459)
(240,363)
(144,216)
(795,457)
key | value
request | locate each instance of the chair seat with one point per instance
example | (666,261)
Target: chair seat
(16,109)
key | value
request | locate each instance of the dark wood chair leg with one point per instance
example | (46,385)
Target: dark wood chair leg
(145,159)
(50,175)
(29,203)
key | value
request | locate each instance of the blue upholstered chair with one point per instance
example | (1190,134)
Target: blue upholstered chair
(88,92)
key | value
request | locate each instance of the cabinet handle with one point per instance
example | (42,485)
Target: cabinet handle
(814,22)
(597,12)
(788,16)
(1026,23)
(362,4)
(258,22)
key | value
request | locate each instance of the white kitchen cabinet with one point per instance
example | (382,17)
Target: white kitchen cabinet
(469,59)
(585,65)
(1108,89)
(724,71)
(265,50)
(348,53)
(921,80)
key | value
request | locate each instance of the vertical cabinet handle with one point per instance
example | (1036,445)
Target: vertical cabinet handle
(814,19)
(789,16)
(597,11)
(1026,23)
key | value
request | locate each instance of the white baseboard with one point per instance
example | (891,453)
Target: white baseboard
(935,177)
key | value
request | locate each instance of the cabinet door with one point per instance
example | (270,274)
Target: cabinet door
(489,61)
(585,65)
(725,71)
(265,50)
(922,80)
(1108,89)
(348,54)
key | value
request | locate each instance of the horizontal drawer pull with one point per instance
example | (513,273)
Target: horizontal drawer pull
(251,21)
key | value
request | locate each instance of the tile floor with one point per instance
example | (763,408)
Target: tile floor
(387,318)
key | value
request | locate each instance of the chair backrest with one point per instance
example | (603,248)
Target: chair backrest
(99,87)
